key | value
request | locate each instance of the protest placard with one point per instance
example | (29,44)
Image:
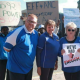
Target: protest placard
(71,57)
(10,12)
(71,15)
(44,10)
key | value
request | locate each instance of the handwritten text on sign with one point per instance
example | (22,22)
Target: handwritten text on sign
(44,10)
(10,13)
(71,57)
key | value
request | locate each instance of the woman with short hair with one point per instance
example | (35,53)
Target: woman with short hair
(47,51)
(70,72)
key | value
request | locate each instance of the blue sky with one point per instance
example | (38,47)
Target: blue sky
(62,3)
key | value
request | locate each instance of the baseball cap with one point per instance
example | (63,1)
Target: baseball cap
(41,26)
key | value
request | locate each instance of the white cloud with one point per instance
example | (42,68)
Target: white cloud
(68,4)
(72,0)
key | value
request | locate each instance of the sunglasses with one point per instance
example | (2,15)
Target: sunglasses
(71,30)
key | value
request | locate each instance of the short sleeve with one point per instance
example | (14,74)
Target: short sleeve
(60,48)
(11,39)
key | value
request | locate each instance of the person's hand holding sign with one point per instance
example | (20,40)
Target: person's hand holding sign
(62,51)
(78,50)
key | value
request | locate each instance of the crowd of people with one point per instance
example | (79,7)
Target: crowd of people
(19,48)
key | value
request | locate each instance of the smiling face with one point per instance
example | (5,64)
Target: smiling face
(50,26)
(50,29)
(31,23)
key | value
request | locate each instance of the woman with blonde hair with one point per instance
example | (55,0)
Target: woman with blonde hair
(70,72)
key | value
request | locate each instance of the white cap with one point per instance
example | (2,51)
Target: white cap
(41,26)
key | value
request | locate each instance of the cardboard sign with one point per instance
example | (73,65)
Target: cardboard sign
(10,12)
(44,10)
(71,57)
(71,15)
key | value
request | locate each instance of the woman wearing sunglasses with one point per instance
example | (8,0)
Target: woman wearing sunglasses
(70,72)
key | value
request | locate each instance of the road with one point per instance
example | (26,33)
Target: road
(35,68)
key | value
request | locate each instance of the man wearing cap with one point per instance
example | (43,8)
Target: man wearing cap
(41,29)
(3,53)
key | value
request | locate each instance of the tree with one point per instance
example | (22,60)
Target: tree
(78,4)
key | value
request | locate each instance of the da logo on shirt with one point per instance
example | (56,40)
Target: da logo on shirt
(47,38)
(57,40)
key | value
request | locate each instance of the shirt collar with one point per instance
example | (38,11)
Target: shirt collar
(49,35)
(27,30)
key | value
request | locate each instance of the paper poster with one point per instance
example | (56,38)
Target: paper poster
(71,57)
(44,10)
(71,15)
(10,12)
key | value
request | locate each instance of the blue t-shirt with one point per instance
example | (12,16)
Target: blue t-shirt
(68,69)
(3,53)
(23,50)
(50,48)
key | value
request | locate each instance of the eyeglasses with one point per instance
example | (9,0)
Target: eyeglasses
(71,30)
(32,22)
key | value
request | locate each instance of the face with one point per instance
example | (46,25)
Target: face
(5,31)
(41,30)
(70,31)
(31,23)
(50,29)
